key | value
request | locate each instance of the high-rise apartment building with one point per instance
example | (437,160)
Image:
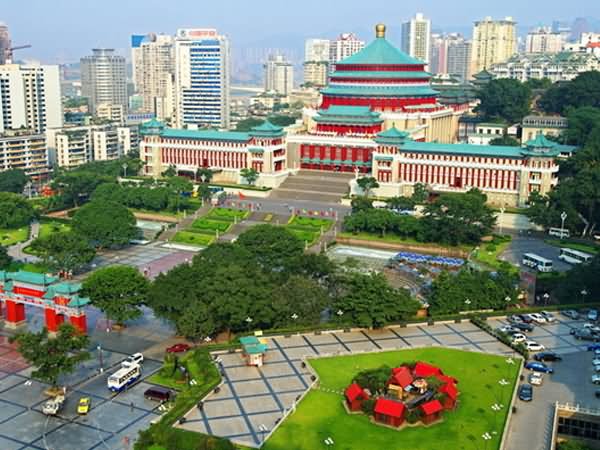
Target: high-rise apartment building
(347,44)
(458,63)
(543,40)
(202,78)
(22,149)
(153,63)
(494,41)
(29,97)
(76,145)
(279,75)
(416,37)
(104,78)
(438,61)
(317,50)
(4,43)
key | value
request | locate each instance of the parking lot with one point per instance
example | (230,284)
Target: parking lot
(523,244)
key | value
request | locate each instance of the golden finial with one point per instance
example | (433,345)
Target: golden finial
(380,30)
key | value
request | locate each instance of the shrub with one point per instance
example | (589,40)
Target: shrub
(368,406)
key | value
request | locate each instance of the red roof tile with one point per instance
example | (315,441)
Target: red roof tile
(432,407)
(354,391)
(450,390)
(447,379)
(389,408)
(401,376)
(424,370)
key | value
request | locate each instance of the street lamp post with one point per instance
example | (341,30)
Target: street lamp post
(100,358)
(563,217)
(584,293)
(124,170)
(501,217)
(546,296)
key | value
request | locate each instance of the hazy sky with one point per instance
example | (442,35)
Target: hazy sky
(64,30)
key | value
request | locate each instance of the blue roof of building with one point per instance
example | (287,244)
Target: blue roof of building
(381,52)
(208,135)
(379,91)
(473,150)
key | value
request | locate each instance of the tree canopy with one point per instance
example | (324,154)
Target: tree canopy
(13,180)
(369,301)
(119,291)
(105,224)
(582,121)
(505,141)
(52,357)
(5,259)
(250,175)
(272,246)
(367,184)
(584,90)
(471,290)
(65,251)
(15,211)
(494,104)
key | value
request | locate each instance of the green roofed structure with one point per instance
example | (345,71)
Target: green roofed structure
(254,350)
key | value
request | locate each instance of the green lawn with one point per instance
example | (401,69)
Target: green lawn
(13,236)
(226,214)
(309,237)
(48,227)
(211,226)
(310,223)
(488,254)
(590,248)
(321,414)
(193,238)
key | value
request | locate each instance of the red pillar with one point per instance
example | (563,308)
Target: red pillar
(53,320)
(79,322)
(15,313)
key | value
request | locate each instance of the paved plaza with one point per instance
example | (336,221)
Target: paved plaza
(154,257)
(112,423)
(252,400)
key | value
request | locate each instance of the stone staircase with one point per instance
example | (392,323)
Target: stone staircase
(314,185)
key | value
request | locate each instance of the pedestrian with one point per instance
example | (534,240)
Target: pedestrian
(131,406)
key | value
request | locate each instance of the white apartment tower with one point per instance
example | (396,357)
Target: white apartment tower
(279,75)
(494,41)
(4,44)
(153,62)
(416,37)
(30,97)
(543,40)
(458,58)
(347,44)
(316,61)
(104,78)
(202,78)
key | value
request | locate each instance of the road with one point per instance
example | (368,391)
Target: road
(16,251)
(522,244)
(531,426)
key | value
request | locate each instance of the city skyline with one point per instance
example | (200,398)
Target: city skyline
(73,35)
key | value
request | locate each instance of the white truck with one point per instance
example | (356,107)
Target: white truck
(53,405)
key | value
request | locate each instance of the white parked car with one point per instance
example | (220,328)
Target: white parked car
(135,359)
(533,346)
(596,361)
(548,316)
(596,379)
(596,367)
(507,329)
(538,318)
(517,338)
(592,327)
(536,378)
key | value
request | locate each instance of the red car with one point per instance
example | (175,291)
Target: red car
(178,348)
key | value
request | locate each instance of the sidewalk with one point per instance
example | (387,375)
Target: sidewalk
(16,251)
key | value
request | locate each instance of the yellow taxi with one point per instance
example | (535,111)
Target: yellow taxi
(83,406)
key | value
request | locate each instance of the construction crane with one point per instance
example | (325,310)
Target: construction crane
(9,52)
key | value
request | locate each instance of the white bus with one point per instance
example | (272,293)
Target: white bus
(124,377)
(537,262)
(559,232)
(574,256)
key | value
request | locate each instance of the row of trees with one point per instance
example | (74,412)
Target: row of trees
(471,290)
(13,180)
(450,219)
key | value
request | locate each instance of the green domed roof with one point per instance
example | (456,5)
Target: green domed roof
(381,52)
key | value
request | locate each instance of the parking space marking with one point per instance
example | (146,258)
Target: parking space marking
(289,361)
(470,341)
(437,341)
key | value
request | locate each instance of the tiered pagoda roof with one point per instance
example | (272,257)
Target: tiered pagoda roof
(348,115)
(382,77)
